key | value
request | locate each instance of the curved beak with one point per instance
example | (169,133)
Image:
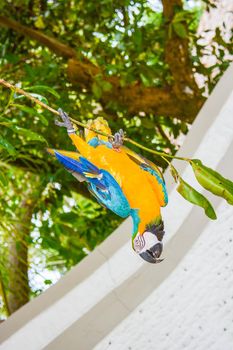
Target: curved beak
(152,255)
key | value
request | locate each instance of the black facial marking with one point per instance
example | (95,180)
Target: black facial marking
(157,230)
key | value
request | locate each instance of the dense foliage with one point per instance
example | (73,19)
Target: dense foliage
(134,63)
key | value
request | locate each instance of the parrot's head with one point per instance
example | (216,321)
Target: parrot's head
(149,244)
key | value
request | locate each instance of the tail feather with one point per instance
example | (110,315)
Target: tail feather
(80,167)
(72,155)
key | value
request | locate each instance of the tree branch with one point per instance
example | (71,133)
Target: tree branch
(4,295)
(18,287)
(7,84)
(135,97)
(177,55)
(52,43)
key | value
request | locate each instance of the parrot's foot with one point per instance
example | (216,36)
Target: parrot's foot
(118,139)
(65,121)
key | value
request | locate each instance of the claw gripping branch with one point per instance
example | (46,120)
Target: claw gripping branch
(65,121)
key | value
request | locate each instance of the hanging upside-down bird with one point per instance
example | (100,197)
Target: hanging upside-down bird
(121,180)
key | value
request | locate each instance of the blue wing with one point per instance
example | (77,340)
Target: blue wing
(100,183)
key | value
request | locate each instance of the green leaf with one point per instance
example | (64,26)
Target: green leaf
(137,38)
(30,135)
(212,181)
(148,123)
(96,89)
(32,112)
(7,145)
(5,121)
(3,180)
(48,282)
(174,173)
(43,88)
(106,86)
(180,30)
(39,97)
(180,16)
(68,217)
(146,82)
(194,197)
(39,23)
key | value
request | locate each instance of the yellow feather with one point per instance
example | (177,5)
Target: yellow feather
(133,180)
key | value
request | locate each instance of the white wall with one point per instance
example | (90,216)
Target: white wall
(193,308)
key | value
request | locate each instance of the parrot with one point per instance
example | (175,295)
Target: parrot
(120,179)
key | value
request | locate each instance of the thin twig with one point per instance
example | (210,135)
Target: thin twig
(29,96)
(22,92)
(54,111)
(161,154)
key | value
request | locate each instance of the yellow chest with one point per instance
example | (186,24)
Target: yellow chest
(134,181)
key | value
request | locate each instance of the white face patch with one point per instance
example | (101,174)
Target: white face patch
(144,242)
(138,243)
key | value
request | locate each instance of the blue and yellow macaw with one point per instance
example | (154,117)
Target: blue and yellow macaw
(121,180)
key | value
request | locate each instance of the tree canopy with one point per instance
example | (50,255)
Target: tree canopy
(136,63)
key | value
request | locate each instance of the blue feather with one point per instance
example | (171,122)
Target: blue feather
(113,197)
(95,142)
(82,167)
(102,184)
(88,166)
(69,163)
